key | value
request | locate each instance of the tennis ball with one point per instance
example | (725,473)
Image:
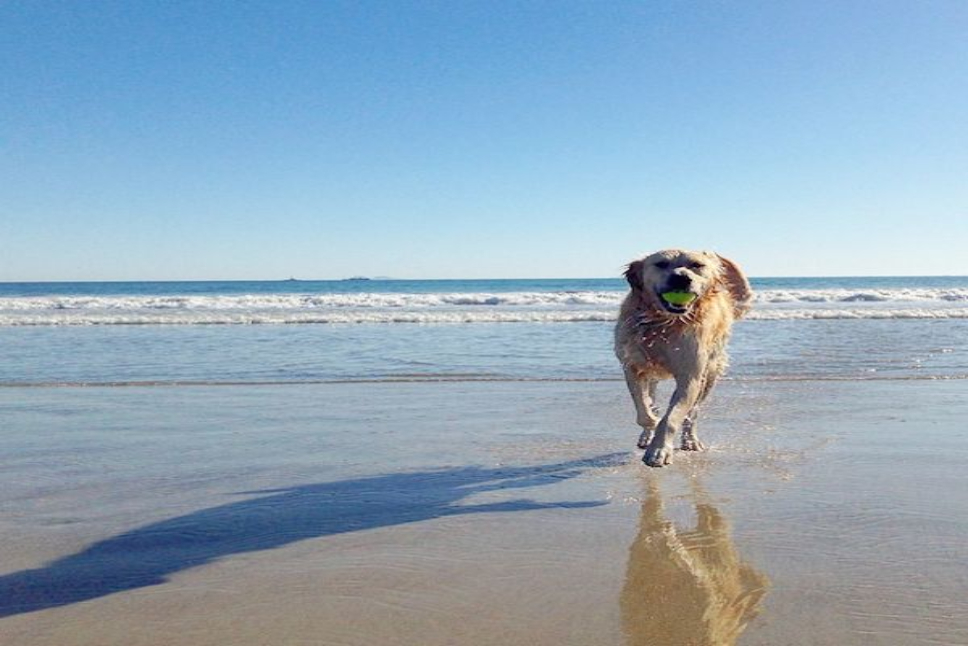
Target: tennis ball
(678,298)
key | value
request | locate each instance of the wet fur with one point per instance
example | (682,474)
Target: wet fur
(653,343)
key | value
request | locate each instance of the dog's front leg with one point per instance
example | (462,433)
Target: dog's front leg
(688,390)
(643,394)
(690,440)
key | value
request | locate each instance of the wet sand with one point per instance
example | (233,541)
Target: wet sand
(481,513)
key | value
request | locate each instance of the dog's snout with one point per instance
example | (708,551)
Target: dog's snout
(679,281)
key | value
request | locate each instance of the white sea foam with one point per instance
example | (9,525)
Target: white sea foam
(455,307)
(428,317)
(308,301)
(909,295)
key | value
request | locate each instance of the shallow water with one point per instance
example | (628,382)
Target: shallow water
(857,349)
(481,513)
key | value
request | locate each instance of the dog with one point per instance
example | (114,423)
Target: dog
(674,324)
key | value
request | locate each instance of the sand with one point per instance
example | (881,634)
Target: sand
(499,513)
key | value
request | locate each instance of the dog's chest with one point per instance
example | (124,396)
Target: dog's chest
(662,350)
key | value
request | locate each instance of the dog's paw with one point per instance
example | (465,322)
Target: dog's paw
(645,439)
(692,444)
(658,456)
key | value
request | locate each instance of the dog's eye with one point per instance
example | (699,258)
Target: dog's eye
(662,264)
(696,265)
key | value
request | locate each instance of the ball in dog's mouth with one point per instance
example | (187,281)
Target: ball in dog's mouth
(677,301)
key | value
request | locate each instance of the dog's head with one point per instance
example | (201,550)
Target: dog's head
(675,280)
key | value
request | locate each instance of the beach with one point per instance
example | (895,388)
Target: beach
(481,512)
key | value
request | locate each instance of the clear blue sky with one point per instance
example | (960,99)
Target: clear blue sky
(221,140)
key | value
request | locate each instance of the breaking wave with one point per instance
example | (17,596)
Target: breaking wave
(454,307)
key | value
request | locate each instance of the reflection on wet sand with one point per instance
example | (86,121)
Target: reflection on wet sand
(687,587)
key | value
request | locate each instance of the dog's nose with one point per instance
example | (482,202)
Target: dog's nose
(679,281)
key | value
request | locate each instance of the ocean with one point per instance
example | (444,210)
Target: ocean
(253,332)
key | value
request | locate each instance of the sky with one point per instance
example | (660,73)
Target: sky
(177,140)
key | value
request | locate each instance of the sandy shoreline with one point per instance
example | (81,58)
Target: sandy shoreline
(481,513)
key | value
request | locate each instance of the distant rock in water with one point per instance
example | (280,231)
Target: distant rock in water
(357,278)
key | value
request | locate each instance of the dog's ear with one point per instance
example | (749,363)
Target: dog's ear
(633,274)
(738,286)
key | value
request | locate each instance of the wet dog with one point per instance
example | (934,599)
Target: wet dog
(674,324)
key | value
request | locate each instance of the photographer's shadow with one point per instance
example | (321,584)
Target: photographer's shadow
(147,555)
(687,587)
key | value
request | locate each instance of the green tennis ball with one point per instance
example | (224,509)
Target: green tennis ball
(678,298)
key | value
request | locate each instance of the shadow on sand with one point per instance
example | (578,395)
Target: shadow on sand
(147,555)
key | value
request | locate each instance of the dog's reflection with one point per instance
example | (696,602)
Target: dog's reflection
(687,587)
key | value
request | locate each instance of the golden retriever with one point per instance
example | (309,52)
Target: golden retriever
(674,324)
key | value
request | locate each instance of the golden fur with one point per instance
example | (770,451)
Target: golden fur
(655,340)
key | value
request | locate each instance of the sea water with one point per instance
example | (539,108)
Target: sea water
(310,331)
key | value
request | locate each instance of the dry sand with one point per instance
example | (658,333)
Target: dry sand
(831,513)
